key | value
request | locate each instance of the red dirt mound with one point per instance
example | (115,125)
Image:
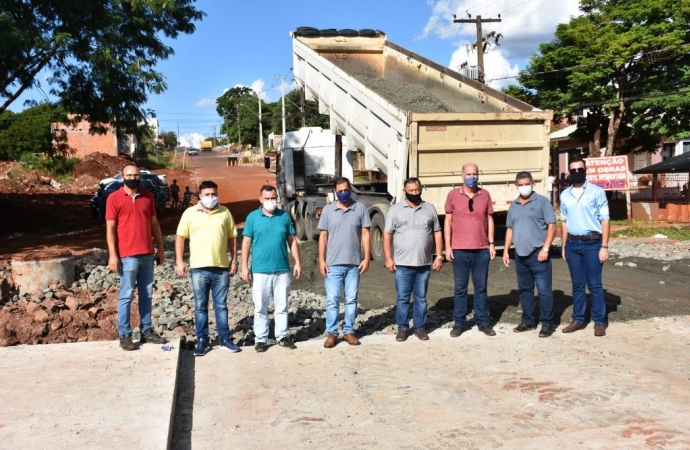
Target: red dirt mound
(100,165)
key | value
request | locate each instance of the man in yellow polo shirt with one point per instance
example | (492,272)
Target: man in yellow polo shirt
(209,228)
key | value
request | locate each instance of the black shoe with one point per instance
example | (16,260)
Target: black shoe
(487,330)
(152,338)
(127,344)
(546,331)
(457,331)
(524,327)
(260,347)
(287,343)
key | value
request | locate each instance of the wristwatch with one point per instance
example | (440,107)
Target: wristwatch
(545,249)
(491,243)
(439,256)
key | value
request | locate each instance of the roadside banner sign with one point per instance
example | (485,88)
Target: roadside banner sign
(609,172)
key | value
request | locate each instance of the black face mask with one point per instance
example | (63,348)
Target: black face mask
(578,177)
(132,184)
(414,198)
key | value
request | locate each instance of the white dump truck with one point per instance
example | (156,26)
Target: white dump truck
(393,115)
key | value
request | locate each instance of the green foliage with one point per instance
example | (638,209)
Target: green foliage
(30,132)
(54,165)
(151,162)
(626,62)
(100,56)
(674,233)
(169,139)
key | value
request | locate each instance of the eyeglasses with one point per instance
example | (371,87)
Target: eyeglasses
(471,204)
(579,169)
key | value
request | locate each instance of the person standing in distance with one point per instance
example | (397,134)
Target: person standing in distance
(344,226)
(268,232)
(210,229)
(531,225)
(174,195)
(469,238)
(418,236)
(130,219)
(585,235)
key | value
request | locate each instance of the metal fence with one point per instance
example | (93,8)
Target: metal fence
(671,188)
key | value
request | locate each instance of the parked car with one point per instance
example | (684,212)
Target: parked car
(193,151)
(163,178)
(97,201)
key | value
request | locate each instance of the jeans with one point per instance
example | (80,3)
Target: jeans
(265,285)
(411,280)
(135,271)
(531,271)
(215,280)
(586,269)
(341,277)
(475,262)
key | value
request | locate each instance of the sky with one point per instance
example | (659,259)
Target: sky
(247,43)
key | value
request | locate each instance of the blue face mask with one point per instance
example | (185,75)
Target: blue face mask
(471,182)
(343,197)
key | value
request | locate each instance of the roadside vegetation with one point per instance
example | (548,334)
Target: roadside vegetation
(58,167)
(676,233)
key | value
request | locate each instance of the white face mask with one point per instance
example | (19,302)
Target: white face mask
(270,205)
(209,202)
(525,191)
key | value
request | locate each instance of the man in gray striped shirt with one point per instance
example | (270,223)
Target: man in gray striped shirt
(417,231)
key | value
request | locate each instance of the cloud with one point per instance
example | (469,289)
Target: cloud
(524,26)
(192,140)
(206,102)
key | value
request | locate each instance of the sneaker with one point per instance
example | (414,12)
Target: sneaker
(286,342)
(227,345)
(421,334)
(546,331)
(260,347)
(127,344)
(402,335)
(152,338)
(201,347)
(457,331)
(524,327)
(487,330)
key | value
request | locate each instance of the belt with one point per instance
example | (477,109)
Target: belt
(593,236)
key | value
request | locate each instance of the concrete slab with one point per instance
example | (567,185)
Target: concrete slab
(86,396)
(630,389)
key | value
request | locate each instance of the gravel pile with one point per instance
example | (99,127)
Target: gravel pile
(411,97)
(661,248)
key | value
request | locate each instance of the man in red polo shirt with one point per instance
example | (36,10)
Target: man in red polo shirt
(469,235)
(130,221)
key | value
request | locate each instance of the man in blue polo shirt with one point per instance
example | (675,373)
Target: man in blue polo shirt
(585,235)
(268,232)
(531,224)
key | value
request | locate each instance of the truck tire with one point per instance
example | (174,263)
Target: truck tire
(376,239)
(309,224)
(300,230)
(348,32)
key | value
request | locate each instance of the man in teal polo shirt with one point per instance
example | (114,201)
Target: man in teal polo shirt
(268,232)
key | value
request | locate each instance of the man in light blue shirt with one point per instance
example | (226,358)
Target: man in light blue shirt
(585,240)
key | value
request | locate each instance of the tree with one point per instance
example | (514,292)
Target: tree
(169,139)
(294,114)
(100,57)
(30,132)
(625,62)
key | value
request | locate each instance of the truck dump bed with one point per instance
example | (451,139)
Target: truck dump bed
(412,117)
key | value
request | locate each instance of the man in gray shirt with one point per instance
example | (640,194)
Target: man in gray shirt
(417,234)
(531,224)
(344,226)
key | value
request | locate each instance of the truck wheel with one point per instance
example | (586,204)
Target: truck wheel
(309,225)
(300,230)
(376,239)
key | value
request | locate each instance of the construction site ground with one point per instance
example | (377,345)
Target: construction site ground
(626,390)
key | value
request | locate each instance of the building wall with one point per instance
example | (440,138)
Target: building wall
(84,143)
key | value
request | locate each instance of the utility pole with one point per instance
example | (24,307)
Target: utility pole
(301,107)
(282,96)
(261,131)
(480,41)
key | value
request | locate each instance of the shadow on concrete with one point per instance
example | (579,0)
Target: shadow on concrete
(184,403)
